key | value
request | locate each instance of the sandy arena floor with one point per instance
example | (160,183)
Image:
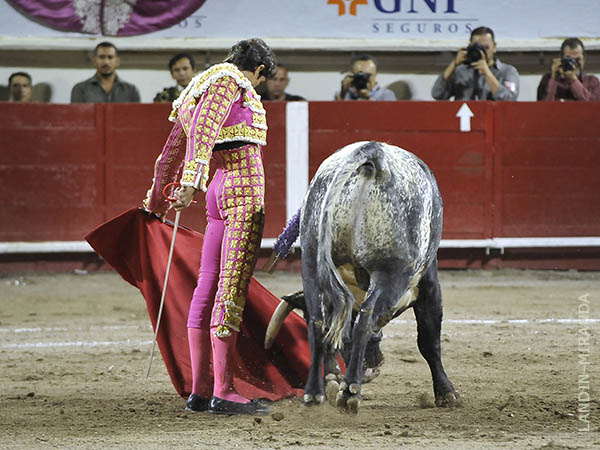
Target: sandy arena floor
(74,349)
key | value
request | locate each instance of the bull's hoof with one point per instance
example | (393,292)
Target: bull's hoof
(349,405)
(331,391)
(340,402)
(448,400)
(311,400)
(348,398)
(353,404)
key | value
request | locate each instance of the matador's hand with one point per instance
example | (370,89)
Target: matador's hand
(184,196)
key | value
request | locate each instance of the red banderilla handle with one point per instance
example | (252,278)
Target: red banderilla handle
(164,192)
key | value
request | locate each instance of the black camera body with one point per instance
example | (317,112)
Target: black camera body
(568,64)
(474,53)
(360,80)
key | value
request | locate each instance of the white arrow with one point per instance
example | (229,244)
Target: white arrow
(465,115)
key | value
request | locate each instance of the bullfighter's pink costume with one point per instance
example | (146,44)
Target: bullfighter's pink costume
(218,108)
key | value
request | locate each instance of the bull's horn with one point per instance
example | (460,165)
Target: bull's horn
(279,315)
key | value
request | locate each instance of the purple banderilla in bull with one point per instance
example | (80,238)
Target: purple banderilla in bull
(284,242)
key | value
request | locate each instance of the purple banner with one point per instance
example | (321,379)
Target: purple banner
(107,17)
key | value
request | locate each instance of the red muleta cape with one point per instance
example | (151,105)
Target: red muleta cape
(136,245)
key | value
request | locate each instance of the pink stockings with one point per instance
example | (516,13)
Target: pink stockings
(199,341)
(223,349)
(200,352)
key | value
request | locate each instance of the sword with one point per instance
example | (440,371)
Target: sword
(164,291)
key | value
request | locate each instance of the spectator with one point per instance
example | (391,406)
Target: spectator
(105,86)
(361,82)
(275,87)
(19,87)
(566,80)
(476,73)
(182,67)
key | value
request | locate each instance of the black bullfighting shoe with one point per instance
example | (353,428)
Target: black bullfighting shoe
(255,407)
(196,403)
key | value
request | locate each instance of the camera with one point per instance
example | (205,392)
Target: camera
(360,80)
(567,64)
(474,53)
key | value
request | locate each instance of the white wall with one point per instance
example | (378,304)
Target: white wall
(311,85)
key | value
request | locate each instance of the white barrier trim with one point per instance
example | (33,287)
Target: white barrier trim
(335,44)
(547,242)
(296,156)
(46,247)
(495,243)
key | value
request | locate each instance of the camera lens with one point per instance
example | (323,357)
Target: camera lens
(567,64)
(360,80)
(474,53)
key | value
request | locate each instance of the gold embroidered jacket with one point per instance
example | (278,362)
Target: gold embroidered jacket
(219,105)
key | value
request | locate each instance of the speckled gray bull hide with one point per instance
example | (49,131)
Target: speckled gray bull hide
(375,208)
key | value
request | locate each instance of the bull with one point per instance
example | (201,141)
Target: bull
(372,216)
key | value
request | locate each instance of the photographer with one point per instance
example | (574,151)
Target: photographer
(566,80)
(476,73)
(361,84)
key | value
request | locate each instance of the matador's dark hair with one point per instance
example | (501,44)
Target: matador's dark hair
(251,53)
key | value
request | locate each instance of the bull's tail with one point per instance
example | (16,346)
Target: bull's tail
(337,298)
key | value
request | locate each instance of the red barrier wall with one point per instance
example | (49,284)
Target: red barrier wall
(524,169)
(51,171)
(461,162)
(547,169)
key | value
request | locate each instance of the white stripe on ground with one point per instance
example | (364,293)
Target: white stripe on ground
(396,321)
(52,329)
(74,344)
(128,342)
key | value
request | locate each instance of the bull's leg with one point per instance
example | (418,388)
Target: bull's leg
(314,388)
(373,357)
(382,293)
(428,311)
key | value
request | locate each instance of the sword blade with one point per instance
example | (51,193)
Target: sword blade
(164,291)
